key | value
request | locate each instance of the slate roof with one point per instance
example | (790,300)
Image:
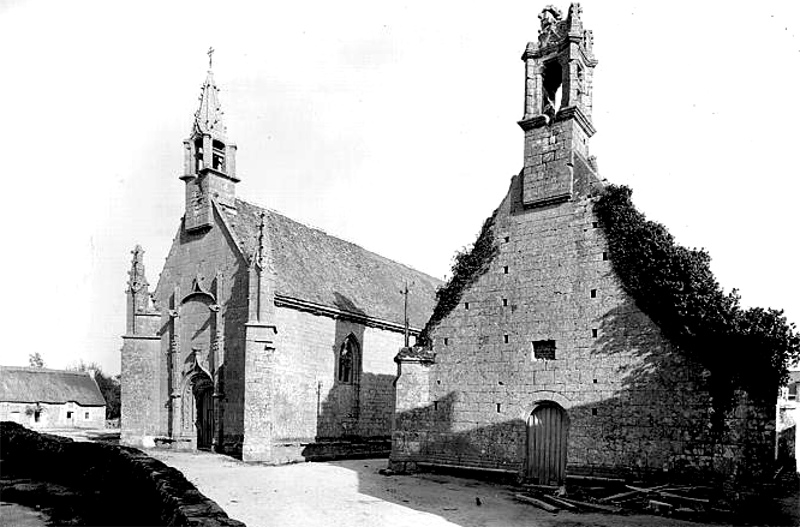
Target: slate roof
(32,385)
(315,267)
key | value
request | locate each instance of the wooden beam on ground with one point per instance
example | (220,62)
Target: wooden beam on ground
(592,506)
(561,502)
(536,503)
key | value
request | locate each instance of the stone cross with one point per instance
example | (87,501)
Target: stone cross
(210,52)
(405,292)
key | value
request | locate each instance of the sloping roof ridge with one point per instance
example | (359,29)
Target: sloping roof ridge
(33,369)
(322,231)
(236,241)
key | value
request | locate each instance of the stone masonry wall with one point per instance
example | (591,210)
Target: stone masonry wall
(309,404)
(109,485)
(633,403)
(54,415)
(148,381)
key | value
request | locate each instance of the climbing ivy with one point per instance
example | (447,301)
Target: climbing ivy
(468,265)
(749,349)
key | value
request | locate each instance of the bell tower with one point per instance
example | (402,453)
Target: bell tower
(209,165)
(558,107)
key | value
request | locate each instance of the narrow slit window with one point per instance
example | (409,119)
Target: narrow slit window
(594,333)
(594,411)
(505,269)
(505,339)
(435,405)
(605,255)
(505,302)
(594,293)
(498,407)
(466,305)
(446,341)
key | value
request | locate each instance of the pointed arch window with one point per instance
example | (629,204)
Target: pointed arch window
(349,361)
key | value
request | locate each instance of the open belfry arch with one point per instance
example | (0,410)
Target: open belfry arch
(536,363)
(263,338)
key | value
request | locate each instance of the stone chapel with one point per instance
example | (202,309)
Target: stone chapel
(263,338)
(542,364)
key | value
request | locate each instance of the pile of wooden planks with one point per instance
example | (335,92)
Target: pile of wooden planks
(615,496)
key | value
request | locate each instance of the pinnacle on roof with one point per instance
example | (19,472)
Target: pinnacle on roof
(208,118)
(137,280)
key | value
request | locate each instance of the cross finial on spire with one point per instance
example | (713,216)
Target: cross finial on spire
(210,53)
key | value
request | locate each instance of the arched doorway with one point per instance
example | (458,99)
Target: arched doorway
(548,427)
(202,390)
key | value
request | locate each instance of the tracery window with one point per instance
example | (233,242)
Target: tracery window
(349,361)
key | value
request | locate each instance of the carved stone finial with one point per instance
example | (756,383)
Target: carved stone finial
(136,277)
(551,21)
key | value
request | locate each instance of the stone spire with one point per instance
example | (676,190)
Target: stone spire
(208,118)
(209,162)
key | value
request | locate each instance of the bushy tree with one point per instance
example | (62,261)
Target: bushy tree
(109,386)
(35,360)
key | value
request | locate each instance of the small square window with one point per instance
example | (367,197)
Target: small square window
(594,293)
(544,349)
(505,269)
(594,411)
(605,256)
(505,302)
(69,415)
(594,225)
(86,415)
(507,239)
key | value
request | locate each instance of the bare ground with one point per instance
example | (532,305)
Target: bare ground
(353,493)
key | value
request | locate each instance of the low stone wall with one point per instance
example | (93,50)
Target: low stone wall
(112,485)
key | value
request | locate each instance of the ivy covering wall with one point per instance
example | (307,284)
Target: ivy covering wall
(749,349)
(468,265)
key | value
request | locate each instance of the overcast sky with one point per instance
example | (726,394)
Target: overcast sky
(391,125)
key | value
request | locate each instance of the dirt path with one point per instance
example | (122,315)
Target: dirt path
(352,493)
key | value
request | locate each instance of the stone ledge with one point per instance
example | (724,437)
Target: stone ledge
(127,486)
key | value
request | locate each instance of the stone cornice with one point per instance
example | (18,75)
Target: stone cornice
(209,170)
(141,337)
(319,309)
(571,112)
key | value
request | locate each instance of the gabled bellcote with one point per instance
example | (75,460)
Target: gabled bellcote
(558,106)
(209,165)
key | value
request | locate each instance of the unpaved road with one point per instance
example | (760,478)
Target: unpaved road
(352,493)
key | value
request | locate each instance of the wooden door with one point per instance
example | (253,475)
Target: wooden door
(547,445)
(205,418)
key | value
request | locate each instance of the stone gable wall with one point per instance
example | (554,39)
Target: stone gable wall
(146,389)
(633,403)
